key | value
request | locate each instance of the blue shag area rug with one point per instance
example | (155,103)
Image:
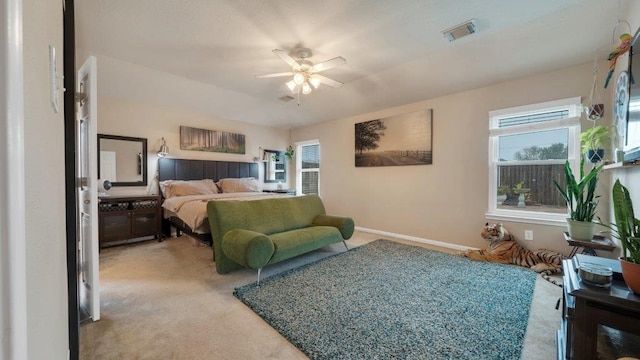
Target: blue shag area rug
(386,300)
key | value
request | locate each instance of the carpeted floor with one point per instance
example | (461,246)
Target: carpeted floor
(387,300)
(165,301)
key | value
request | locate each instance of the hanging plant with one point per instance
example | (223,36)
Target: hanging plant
(290,152)
(594,112)
(593,138)
(594,108)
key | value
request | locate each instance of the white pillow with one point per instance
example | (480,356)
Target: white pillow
(231,185)
(172,188)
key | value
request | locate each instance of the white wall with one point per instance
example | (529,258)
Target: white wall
(445,201)
(169,102)
(47,314)
(122,117)
(629,177)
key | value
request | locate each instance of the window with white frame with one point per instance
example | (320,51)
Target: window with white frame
(308,167)
(528,147)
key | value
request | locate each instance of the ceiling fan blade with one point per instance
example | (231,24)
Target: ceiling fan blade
(325,80)
(289,73)
(337,61)
(287,58)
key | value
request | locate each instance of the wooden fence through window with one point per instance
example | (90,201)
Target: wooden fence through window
(537,178)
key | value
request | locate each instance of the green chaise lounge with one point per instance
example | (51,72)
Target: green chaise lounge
(261,232)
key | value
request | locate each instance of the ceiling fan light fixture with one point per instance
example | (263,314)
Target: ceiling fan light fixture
(315,82)
(304,73)
(298,78)
(306,88)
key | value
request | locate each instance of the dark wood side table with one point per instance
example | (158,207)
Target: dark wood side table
(128,217)
(588,310)
(589,247)
(281,191)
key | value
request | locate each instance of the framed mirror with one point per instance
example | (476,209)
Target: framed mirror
(122,160)
(275,166)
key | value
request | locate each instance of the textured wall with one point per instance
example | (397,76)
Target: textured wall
(445,201)
(47,333)
(126,118)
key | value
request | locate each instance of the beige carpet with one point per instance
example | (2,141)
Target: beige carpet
(166,301)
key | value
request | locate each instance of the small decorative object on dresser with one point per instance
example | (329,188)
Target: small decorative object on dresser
(128,217)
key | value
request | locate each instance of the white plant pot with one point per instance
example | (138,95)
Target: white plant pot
(581,230)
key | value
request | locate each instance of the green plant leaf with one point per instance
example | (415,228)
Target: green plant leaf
(627,226)
(580,194)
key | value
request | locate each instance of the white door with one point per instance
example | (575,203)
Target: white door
(88,244)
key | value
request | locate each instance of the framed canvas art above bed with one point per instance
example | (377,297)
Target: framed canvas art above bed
(211,140)
(404,139)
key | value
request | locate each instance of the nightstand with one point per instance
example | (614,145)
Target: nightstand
(123,218)
(281,191)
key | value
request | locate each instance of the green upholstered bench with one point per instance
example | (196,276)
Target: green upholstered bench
(261,232)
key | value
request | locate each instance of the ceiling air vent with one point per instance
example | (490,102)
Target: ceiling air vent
(461,30)
(286,98)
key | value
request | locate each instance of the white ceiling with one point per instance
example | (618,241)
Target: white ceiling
(395,51)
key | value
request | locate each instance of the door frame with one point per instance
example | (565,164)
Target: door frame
(69,70)
(13,268)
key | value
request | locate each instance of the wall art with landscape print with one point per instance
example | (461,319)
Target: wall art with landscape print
(404,139)
(211,140)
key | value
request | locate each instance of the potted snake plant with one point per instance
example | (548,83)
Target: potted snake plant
(627,230)
(579,194)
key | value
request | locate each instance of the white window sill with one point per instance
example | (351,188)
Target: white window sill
(528,217)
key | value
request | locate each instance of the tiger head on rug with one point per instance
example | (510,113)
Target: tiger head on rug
(504,249)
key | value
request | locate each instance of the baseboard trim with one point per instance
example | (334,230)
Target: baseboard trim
(416,239)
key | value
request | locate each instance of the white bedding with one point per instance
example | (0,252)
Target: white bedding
(192,209)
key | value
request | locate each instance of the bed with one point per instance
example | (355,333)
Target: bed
(187,186)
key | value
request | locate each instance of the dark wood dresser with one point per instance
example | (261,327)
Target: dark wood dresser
(597,322)
(123,218)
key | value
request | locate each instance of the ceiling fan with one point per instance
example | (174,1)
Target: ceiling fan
(304,72)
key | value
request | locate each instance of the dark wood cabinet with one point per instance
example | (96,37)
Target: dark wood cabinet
(281,191)
(597,322)
(128,217)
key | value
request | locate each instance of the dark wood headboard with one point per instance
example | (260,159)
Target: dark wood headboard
(184,169)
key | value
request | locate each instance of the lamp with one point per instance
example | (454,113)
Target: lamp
(103,186)
(164,149)
(264,157)
(302,81)
(298,78)
(306,88)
